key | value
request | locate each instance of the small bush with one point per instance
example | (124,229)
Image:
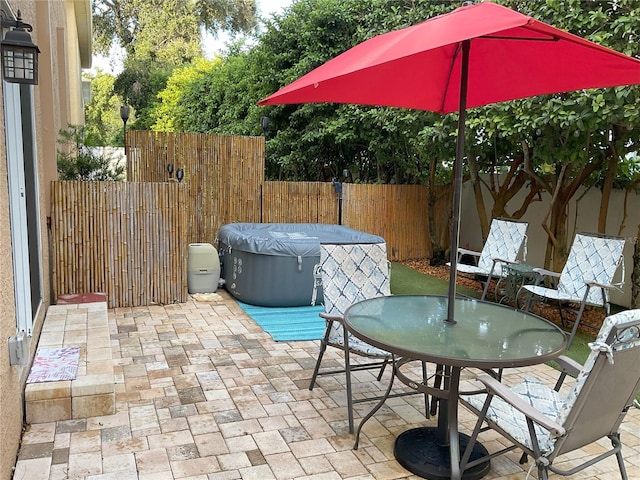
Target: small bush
(77,161)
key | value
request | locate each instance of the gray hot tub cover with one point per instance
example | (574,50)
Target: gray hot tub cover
(284,239)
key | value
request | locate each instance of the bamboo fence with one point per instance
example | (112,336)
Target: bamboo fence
(127,240)
(130,239)
(223,175)
(299,202)
(398,213)
(225,184)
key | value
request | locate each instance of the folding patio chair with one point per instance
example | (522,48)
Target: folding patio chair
(585,279)
(349,273)
(546,423)
(506,239)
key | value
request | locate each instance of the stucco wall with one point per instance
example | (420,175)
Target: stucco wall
(12,378)
(53,108)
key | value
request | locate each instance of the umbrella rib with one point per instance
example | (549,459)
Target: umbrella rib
(446,89)
(528,39)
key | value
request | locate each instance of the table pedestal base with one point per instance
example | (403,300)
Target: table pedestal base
(418,451)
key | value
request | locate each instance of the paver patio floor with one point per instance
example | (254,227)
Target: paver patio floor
(202,392)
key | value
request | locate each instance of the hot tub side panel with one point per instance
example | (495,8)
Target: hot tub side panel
(269,280)
(271,264)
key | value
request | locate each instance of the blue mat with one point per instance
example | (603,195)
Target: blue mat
(286,324)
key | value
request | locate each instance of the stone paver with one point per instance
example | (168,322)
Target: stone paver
(203,393)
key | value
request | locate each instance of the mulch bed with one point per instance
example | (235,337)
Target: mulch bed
(592,317)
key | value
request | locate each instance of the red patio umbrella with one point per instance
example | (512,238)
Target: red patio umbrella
(473,56)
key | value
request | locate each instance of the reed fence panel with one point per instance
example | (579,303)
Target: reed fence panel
(299,202)
(399,213)
(130,239)
(125,239)
(396,212)
(225,178)
(223,174)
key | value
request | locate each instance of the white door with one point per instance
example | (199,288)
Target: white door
(18,206)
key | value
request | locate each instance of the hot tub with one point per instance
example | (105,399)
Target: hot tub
(271,264)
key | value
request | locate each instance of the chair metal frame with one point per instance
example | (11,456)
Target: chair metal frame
(546,423)
(356,282)
(506,240)
(586,278)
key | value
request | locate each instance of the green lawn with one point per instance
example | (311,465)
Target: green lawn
(407,281)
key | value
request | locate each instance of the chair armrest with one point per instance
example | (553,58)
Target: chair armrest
(504,260)
(496,261)
(464,251)
(608,286)
(496,388)
(568,365)
(333,318)
(543,272)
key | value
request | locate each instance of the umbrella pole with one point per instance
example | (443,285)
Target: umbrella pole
(457,183)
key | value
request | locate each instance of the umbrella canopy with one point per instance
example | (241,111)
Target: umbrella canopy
(473,56)
(511,56)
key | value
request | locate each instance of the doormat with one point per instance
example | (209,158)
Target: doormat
(286,324)
(54,364)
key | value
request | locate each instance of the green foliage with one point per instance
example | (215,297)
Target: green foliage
(166,32)
(219,101)
(320,141)
(314,142)
(77,161)
(158,37)
(173,108)
(103,123)
(138,85)
(572,129)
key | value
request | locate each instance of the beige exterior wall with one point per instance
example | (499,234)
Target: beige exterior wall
(583,211)
(61,29)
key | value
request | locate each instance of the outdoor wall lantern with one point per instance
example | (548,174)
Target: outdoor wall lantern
(124,115)
(264,123)
(19,53)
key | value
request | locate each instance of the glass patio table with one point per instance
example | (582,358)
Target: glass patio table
(485,335)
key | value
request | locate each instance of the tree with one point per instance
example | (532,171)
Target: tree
(102,113)
(168,32)
(138,86)
(316,142)
(168,112)
(159,37)
(77,161)
(566,141)
(552,144)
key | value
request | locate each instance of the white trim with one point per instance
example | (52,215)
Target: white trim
(17,208)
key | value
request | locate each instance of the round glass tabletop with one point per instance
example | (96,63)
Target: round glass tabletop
(484,334)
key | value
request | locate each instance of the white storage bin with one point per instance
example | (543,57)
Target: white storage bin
(203,268)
